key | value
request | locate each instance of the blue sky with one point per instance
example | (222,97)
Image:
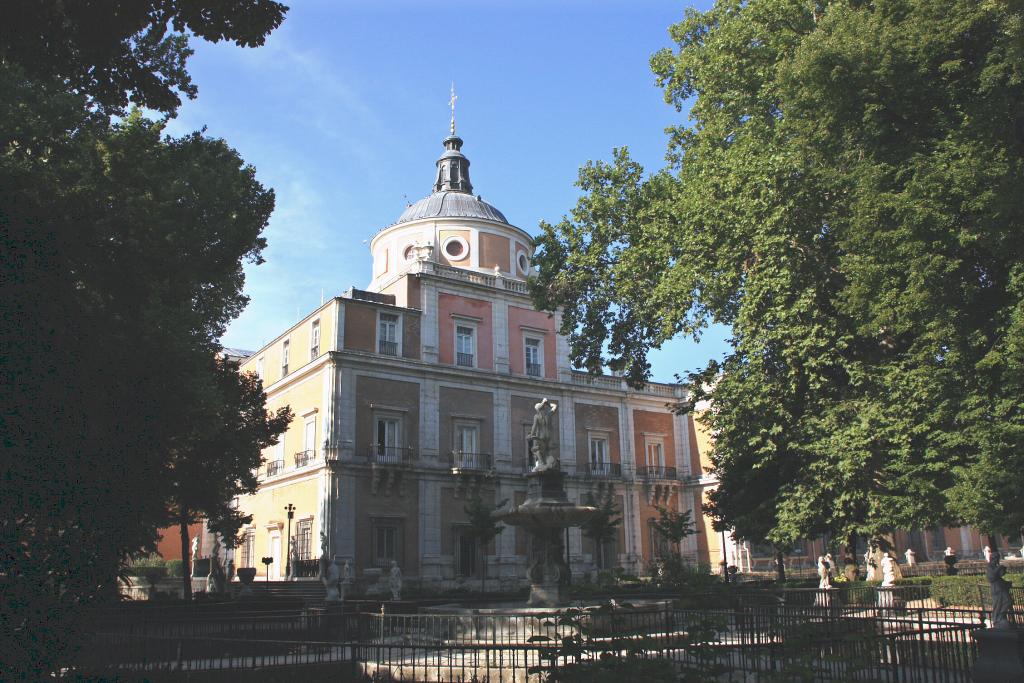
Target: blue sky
(343,111)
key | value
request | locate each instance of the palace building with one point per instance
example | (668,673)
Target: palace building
(416,394)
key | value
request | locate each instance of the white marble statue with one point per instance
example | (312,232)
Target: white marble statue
(195,547)
(540,437)
(888,570)
(987,554)
(911,557)
(870,566)
(395,581)
(822,599)
(948,552)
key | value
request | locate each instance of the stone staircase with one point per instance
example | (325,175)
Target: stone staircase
(311,593)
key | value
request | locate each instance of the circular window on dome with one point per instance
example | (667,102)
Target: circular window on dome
(410,252)
(456,248)
(524,263)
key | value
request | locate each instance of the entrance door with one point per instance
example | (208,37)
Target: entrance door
(275,552)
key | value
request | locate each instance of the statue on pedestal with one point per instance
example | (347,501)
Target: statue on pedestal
(911,557)
(888,570)
(1002,601)
(330,573)
(395,581)
(540,437)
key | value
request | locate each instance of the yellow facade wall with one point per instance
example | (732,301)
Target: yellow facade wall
(267,508)
(299,337)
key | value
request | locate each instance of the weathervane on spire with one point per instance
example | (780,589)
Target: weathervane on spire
(452,103)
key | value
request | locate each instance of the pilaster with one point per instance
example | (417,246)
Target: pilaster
(429,323)
(346,434)
(429,415)
(500,332)
(503,427)
(344,519)
(430,529)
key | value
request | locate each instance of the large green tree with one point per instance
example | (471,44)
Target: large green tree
(116,52)
(217,458)
(121,252)
(847,198)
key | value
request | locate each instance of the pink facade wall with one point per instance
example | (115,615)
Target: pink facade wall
(517,319)
(449,307)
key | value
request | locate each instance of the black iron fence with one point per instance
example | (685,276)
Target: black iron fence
(603,469)
(819,643)
(303,458)
(390,455)
(657,472)
(275,467)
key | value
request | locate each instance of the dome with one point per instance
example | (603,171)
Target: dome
(452,204)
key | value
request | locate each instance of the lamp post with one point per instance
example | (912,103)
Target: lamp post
(290,509)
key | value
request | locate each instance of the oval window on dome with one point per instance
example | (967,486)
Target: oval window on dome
(524,263)
(410,252)
(456,248)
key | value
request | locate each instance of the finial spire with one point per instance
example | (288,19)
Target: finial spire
(451,101)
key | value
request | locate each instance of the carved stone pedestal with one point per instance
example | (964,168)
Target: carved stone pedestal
(1000,655)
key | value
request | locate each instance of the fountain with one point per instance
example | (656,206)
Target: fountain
(545,515)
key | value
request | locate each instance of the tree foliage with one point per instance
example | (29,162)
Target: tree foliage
(122,255)
(847,199)
(120,52)
(483,526)
(603,526)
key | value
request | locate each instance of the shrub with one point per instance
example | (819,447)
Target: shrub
(175,568)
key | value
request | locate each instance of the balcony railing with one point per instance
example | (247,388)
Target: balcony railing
(464,359)
(603,469)
(658,472)
(533,369)
(305,568)
(462,460)
(390,455)
(303,458)
(387,348)
(275,467)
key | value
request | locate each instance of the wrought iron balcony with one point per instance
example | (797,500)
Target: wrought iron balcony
(390,455)
(533,369)
(303,458)
(603,469)
(464,359)
(657,472)
(464,461)
(275,467)
(387,348)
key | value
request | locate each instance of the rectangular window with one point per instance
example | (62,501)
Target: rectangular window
(308,452)
(465,346)
(304,539)
(314,343)
(467,549)
(656,459)
(466,438)
(284,358)
(387,445)
(249,549)
(387,542)
(259,368)
(534,357)
(659,544)
(598,455)
(387,334)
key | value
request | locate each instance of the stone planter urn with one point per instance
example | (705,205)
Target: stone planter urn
(246,575)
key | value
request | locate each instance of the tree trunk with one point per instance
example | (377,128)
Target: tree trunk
(186,560)
(780,567)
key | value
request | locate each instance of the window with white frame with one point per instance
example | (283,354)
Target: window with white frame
(387,334)
(466,446)
(249,548)
(465,345)
(304,539)
(284,357)
(598,453)
(308,452)
(314,341)
(387,439)
(534,350)
(655,450)
(259,368)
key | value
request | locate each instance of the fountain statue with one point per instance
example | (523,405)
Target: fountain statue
(546,514)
